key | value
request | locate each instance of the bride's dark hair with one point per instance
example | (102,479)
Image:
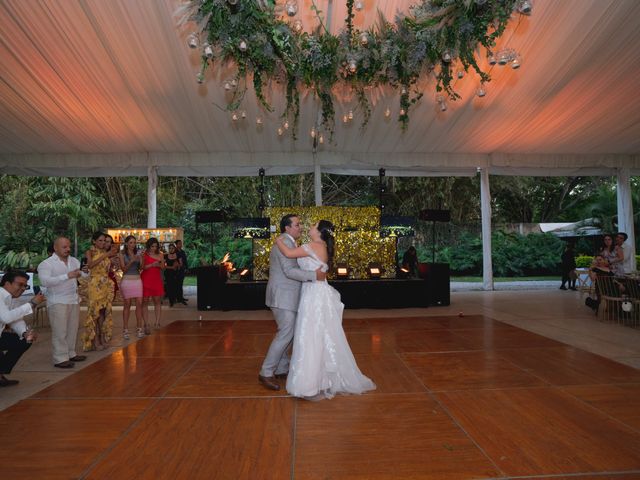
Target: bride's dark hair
(325,227)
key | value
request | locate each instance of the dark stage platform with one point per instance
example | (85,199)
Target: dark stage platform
(216,294)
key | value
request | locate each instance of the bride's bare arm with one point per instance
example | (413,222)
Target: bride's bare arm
(290,252)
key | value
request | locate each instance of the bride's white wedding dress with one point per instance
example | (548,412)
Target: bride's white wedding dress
(322,363)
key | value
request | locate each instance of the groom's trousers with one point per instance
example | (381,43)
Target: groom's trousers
(277,359)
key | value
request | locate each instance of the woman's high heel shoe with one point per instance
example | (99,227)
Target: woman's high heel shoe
(139,333)
(147,329)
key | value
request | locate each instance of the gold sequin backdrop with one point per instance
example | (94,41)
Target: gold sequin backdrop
(357,237)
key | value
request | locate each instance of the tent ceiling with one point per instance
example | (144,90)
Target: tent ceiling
(98,87)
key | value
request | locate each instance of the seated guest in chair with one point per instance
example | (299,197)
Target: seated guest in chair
(15,336)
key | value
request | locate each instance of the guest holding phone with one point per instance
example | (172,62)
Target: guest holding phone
(152,287)
(131,285)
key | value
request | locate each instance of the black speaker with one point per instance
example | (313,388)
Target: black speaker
(437,277)
(435,215)
(210,286)
(210,216)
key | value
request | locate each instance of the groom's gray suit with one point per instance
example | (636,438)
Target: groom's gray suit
(283,295)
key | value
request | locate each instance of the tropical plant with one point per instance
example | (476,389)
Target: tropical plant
(431,39)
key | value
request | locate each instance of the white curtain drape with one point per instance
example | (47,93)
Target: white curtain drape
(625,218)
(485,206)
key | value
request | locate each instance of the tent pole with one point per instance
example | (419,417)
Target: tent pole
(485,205)
(152,190)
(625,216)
(317,184)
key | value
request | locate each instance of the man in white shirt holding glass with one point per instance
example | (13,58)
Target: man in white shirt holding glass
(59,274)
(15,335)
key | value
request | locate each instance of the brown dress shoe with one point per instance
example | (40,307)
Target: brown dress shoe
(5,382)
(78,358)
(281,376)
(269,382)
(67,364)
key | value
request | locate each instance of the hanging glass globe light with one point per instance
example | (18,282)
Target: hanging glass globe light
(234,117)
(460,73)
(364,39)
(208,50)
(200,77)
(227,86)
(297,26)
(443,106)
(345,118)
(313,132)
(447,56)
(192,40)
(243,114)
(234,82)
(387,112)
(515,64)
(286,125)
(350,115)
(321,138)
(481,92)
(491,59)
(353,65)
(280,131)
(524,7)
(291,7)
(358,5)
(258,121)
(242,46)
(402,111)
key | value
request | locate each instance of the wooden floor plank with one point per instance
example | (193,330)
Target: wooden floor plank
(235,344)
(496,338)
(194,327)
(59,439)
(428,341)
(620,401)
(390,373)
(571,366)
(543,431)
(467,370)
(120,375)
(206,439)
(172,346)
(383,437)
(223,377)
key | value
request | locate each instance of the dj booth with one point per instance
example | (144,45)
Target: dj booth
(215,292)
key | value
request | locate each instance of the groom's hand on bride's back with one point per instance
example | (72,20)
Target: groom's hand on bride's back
(320,275)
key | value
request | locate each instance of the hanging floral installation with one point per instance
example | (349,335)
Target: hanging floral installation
(438,38)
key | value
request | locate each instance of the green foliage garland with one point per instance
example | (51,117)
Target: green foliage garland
(428,40)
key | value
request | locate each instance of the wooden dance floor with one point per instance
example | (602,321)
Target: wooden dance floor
(457,398)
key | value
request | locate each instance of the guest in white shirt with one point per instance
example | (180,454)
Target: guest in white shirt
(59,274)
(628,262)
(15,335)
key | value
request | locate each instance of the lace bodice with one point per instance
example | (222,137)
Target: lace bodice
(312,262)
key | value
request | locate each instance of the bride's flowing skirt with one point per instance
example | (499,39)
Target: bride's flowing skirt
(322,363)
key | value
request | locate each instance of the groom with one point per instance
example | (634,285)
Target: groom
(283,294)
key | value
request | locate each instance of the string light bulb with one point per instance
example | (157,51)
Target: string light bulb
(350,114)
(313,132)
(258,121)
(234,117)
(280,131)
(481,92)
(242,46)
(286,125)
(387,112)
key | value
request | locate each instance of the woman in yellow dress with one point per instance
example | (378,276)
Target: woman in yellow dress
(98,324)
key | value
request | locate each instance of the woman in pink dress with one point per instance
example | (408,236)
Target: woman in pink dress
(152,284)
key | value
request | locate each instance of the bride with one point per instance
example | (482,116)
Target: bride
(322,363)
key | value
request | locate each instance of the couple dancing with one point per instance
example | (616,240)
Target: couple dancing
(308,312)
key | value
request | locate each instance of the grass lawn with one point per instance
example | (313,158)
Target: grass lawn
(506,279)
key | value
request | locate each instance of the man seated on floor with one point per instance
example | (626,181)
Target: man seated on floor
(15,336)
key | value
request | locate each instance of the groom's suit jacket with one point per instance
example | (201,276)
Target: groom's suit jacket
(285,277)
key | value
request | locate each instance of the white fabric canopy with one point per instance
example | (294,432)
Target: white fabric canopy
(98,87)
